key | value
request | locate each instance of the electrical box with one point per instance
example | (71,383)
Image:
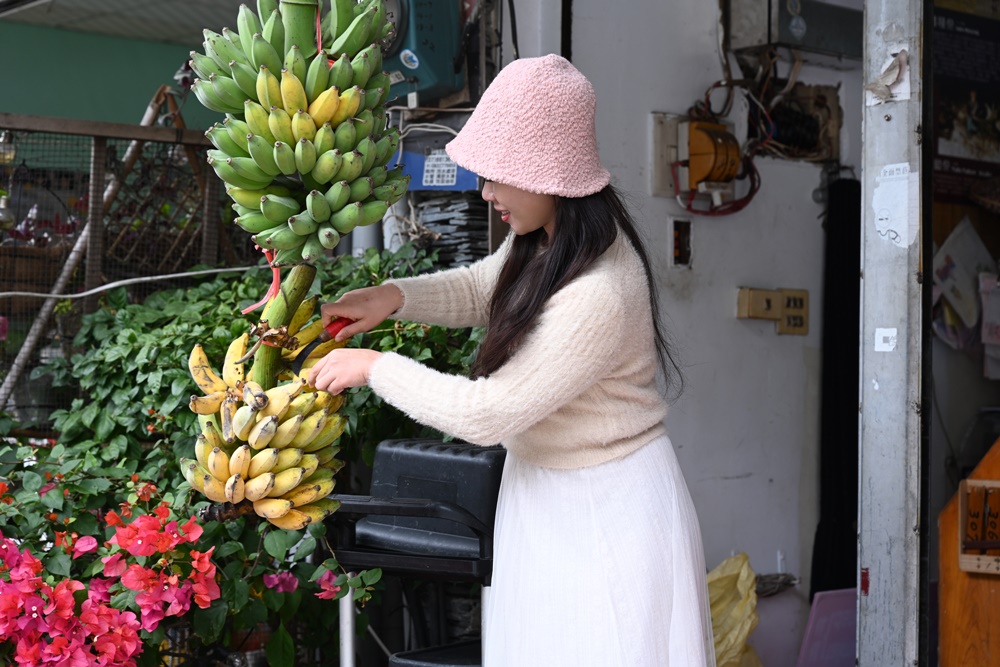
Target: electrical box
(788,308)
(425,59)
(693,158)
(833,35)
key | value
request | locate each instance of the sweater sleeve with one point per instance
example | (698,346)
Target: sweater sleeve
(568,351)
(458,297)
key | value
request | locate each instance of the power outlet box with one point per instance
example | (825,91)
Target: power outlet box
(788,308)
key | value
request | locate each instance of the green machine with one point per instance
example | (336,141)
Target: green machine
(425,57)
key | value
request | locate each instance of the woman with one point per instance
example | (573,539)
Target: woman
(598,557)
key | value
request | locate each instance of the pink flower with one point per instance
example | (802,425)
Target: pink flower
(325,582)
(85,545)
(193,530)
(202,562)
(138,578)
(114,565)
(100,589)
(283,582)
(9,553)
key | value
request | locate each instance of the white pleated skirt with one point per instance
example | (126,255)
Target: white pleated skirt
(598,567)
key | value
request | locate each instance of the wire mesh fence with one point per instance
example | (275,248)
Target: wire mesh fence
(153,222)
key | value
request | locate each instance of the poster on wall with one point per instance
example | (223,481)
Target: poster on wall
(966,68)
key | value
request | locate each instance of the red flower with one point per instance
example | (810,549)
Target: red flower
(145,491)
(325,582)
(114,565)
(100,588)
(85,545)
(193,530)
(138,578)
(113,519)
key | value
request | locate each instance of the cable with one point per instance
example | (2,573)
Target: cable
(513,28)
(127,281)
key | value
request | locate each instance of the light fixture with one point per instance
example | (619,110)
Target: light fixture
(8,149)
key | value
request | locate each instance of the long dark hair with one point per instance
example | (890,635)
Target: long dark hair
(585,227)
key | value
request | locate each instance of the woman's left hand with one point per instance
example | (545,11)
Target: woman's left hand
(343,368)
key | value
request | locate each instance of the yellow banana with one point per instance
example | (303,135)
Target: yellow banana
(301,404)
(254,395)
(293,94)
(327,454)
(194,473)
(305,336)
(227,415)
(334,427)
(206,405)
(327,505)
(302,314)
(239,461)
(232,372)
(204,375)
(262,432)
(202,449)
(349,102)
(271,508)
(258,487)
(262,462)
(303,126)
(280,124)
(292,520)
(268,88)
(331,402)
(285,481)
(312,425)
(306,493)
(318,475)
(317,511)
(218,464)
(235,489)
(287,458)
(213,438)
(214,489)
(279,397)
(286,431)
(244,419)
(309,464)
(333,465)
(325,106)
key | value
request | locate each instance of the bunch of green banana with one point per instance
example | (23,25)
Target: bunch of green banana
(305,146)
(275,449)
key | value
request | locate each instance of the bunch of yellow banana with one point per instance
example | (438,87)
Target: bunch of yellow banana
(305,145)
(275,448)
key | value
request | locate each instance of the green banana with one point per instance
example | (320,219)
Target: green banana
(262,153)
(302,223)
(204,66)
(305,156)
(267,88)
(244,77)
(227,90)
(341,72)
(378,175)
(356,36)
(391,138)
(380,119)
(299,20)
(389,189)
(220,138)
(364,123)
(221,50)
(400,191)
(247,197)
(225,171)
(361,189)
(312,249)
(317,76)
(257,120)
(278,209)
(345,136)
(216,154)
(288,256)
(295,62)
(284,157)
(374,53)
(373,97)
(367,149)
(248,25)
(361,66)
(341,16)
(303,126)
(254,222)
(281,237)
(203,90)
(250,170)
(265,55)
(327,165)
(317,206)
(373,211)
(242,210)
(337,195)
(324,138)
(274,33)
(352,168)
(379,80)
(280,124)
(234,38)
(328,236)
(265,7)
(347,218)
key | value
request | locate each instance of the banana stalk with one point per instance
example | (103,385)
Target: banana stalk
(278,313)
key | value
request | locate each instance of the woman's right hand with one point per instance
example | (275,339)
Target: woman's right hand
(368,307)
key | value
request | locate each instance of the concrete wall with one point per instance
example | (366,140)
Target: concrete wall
(68,74)
(746,427)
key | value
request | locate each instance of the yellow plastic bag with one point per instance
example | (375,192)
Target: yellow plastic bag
(732,595)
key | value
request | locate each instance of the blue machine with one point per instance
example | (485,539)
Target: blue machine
(423,56)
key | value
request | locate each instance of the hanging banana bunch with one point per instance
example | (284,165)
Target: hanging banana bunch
(305,145)
(273,448)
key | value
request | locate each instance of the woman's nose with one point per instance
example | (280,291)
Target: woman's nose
(488,191)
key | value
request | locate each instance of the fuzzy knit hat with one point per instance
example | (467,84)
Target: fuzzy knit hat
(534,129)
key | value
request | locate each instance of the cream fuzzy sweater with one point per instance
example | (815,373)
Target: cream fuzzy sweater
(580,389)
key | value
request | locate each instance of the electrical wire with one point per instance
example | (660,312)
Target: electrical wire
(128,281)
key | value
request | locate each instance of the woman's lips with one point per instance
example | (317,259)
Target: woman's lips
(504,215)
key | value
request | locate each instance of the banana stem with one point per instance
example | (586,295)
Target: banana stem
(278,312)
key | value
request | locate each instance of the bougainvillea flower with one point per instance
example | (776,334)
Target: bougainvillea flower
(193,530)
(283,582)
(139,578)
(201,562)
(99,589)
(114,565)
(85,545)
(10,555)
(329,589)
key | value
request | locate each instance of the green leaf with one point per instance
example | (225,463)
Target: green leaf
(229,548)
(280,648)
(53,499)
(31,481)
(371,577)
(208,623)
(58,563)
(104,426)
(304,548)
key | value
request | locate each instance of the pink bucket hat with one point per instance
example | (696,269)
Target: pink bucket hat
(534,129)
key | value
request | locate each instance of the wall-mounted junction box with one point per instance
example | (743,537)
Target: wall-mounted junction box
(693,157)
(788,308)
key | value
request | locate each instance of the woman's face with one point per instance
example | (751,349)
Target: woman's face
(524,211)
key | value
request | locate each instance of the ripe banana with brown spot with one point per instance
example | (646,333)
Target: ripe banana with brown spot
(262,432)
(285,481)
(271,508)
(279,397)
(262,462)
(334,427)
(304,313)
(214,488)
(307,493)
(312,425)
(244,419)
(233,372)
(294,519)
(235,489)
(287,458)
(239,461)
(208,404)
(254,395)
(301,405)
(218,464)
(202,372)
(227,416)
(258,487)
(286,432)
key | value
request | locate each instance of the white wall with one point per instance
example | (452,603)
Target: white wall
(746,428)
